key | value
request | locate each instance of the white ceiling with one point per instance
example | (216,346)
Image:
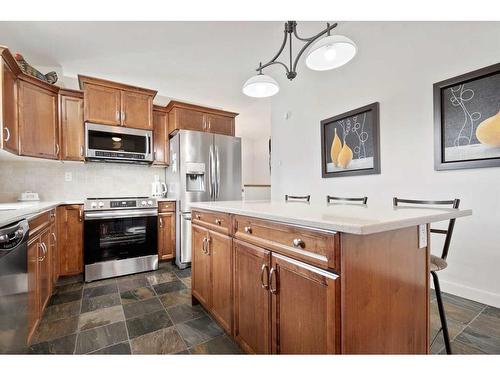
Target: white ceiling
(199,62)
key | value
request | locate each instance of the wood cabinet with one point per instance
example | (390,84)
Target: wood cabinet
(201,285)
(252,304)
(71,125)
(38,125)
(166,235)
(70,235)
(118,104)
(161,152)
(8,102)
(42,254)
(193,117)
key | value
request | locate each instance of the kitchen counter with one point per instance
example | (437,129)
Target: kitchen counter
(12,212)
(347,218)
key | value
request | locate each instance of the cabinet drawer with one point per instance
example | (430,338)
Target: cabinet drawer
(216,221)
(39,222)
(317,247)
(166,206)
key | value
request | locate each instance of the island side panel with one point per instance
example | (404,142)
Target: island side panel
(384,293)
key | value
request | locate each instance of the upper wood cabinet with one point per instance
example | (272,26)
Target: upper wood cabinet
(71,125)
(193,117)
(8,102)
(161,153)
(38,119)
(70,234)
(113,103)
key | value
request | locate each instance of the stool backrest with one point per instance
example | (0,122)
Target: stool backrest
(330,198)
(448,232)
(299,198)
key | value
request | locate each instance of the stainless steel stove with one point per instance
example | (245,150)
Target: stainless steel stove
(120,236)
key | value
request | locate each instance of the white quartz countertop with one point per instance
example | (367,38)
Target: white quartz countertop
(12,212)
(347,218)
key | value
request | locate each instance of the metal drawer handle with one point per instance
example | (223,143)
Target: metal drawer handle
(54,236)
(198,217)
(218,221)
(263,271)
(271,289)
(248,230)
(161,222)
(297,242)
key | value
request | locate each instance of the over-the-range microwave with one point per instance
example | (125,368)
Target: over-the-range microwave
(117,144)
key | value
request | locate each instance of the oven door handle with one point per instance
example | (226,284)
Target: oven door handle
(119,214)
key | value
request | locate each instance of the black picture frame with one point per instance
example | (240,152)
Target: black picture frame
(375,132)
(439,133)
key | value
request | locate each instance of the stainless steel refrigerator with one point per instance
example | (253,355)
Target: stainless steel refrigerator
(203,167)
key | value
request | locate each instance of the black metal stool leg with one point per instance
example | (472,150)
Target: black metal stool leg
(442,315)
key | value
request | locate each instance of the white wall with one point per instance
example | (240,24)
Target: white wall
(396,65)
(255,161)
(88,179)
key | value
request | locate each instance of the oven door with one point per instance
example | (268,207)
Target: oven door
(120,234)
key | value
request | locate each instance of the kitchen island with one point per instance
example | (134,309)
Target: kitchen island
(333,279)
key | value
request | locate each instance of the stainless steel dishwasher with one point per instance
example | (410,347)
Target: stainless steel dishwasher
(14,287)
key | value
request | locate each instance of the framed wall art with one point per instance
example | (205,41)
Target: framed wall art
(467,120)
(350,143)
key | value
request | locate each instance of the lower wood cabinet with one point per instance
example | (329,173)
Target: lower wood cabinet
(70,235)
(166,235)
(212,274)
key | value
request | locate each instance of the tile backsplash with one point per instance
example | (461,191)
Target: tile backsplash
(50,179)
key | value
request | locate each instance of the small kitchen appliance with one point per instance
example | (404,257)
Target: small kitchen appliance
(158,189)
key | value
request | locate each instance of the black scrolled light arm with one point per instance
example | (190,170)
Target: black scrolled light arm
(291,27)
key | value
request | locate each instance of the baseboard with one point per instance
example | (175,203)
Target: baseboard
(482,296)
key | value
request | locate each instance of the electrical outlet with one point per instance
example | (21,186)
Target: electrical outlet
(422,236)
(68,176)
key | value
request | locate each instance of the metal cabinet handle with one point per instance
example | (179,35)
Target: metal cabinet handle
(54,237)
(271,289)
(57,149)
(297,242)
(44,249)
(7,137)
(161,222)
(123,116)
(263,271)
(203,247)
(248,230)
(80,215)
(218,221)
(81,150)
(117,115)
(208,246)
(209,124)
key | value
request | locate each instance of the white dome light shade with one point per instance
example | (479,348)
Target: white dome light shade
(261,86)
(330,52)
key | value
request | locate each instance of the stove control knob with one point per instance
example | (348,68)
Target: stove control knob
(143,203)
(101,204)
(93,205)
(150,203)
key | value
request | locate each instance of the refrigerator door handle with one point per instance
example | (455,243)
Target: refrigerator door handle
(211,172)
(217,172)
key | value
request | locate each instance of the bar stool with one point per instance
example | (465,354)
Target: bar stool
(438,263)
(297,198)
(330,198)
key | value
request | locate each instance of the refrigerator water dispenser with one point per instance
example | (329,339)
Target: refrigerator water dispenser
(195,177)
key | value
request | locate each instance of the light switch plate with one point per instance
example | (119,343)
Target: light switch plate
(68,177)
(422,236)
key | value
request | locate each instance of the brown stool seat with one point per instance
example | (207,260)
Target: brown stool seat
(437,263)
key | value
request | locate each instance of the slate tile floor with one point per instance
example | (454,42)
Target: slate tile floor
(151,313)
(148,313)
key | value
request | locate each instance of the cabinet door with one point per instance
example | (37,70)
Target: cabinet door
(72,128)
(189,119)
(166,235)
(304,308)
(102,104)
(54,257)
(70,234)
(33,285)
(9,109)
(38,127)
(220,254)
(220,124)
(252,308)
(201,280)
(137,110)
(160,138)
(45,278)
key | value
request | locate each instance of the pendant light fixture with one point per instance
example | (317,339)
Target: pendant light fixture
(326,53)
